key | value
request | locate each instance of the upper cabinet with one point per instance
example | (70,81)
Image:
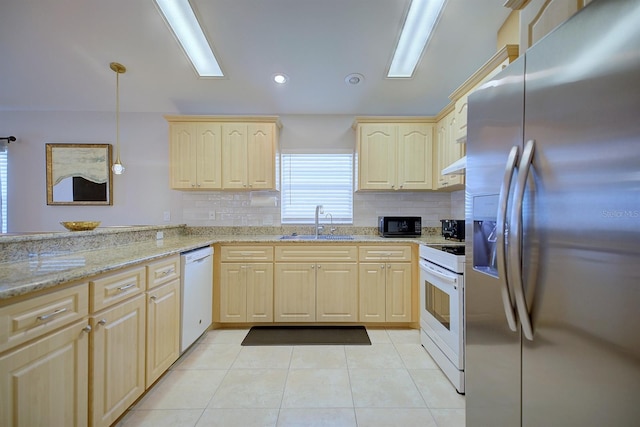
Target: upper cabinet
(223,152)
(460,96)
(446,151)
(248,154)
(394,155)
(195,150)
(540,17)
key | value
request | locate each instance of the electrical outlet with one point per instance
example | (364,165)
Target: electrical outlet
(159,235)
(167,215)
(212,214)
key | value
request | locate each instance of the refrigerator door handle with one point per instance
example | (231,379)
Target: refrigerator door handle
(503,203)
(515,239)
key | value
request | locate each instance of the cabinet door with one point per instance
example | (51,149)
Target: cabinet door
(415,157)
(182,142)
(118,360)
(259,285)
(377,156)
(295,292)
(336,292)
(372,292)
(398,287)
(208,156)
(45,383)
(234,155)
(260,156)
(441,154)
(453,150)
(233,292)
(163,329)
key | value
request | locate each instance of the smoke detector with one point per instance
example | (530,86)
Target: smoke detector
(354,79)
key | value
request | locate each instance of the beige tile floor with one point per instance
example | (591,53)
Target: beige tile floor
(218,382)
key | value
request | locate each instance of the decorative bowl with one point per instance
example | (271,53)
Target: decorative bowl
(80,225)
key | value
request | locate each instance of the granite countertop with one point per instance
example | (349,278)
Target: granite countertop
(49,269)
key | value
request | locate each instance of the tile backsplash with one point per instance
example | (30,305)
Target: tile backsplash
(263,208)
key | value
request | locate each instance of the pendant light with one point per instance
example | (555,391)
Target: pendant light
(117,167)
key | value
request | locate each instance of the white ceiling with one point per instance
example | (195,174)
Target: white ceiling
(55,55)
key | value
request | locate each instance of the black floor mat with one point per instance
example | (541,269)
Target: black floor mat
(307,335)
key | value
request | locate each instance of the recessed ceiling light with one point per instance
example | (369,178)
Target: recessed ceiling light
(354,79)
(417,29)
(280,78)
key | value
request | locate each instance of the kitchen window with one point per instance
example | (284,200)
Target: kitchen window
(317,179)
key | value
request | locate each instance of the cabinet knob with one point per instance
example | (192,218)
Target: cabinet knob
(102,322)
(86,329)
(153,297)
(382,267)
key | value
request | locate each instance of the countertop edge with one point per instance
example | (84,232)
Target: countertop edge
(31,275)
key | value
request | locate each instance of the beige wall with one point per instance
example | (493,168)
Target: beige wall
(142,194)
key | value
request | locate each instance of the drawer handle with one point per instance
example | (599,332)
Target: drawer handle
(167,272)
(55,313)
(125,287)
(153,297)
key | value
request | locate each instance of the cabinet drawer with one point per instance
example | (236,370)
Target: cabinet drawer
(246,253)
(316,253)
(385,253)
(110,289)
(163,271)
(34,317)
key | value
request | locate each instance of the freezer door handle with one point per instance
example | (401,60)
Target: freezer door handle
(503,202)
(515,239)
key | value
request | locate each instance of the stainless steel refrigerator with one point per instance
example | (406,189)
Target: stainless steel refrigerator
(553,230)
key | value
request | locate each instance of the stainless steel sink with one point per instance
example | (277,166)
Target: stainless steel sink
(313,237)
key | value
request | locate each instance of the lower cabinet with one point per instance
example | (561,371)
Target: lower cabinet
(246,284)
(337,292)
(385,285)
(306,291)
(163,329)
(117,359)
(45,383)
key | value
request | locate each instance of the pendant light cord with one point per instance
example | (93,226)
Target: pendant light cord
(117,116)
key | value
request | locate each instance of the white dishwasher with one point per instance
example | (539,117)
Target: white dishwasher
(197,294)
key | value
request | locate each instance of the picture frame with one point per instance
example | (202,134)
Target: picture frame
(79,174)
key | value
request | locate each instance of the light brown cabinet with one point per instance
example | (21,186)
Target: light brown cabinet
(223,152)
(117,344)
(163,317)
(44,359)
(248,154)
(394,155)
(195,155)
(316,283)
(447,151)
(385,284)
(246,284)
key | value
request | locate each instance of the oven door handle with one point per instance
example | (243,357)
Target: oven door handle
(449,278)
(515,240)
(501,230)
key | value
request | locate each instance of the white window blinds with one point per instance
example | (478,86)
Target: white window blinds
(317,179)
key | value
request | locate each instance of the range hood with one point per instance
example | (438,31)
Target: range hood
(456,167)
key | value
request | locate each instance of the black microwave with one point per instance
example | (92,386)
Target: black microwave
(399,226)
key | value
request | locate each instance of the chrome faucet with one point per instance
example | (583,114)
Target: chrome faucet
(331,227)
(319,210)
